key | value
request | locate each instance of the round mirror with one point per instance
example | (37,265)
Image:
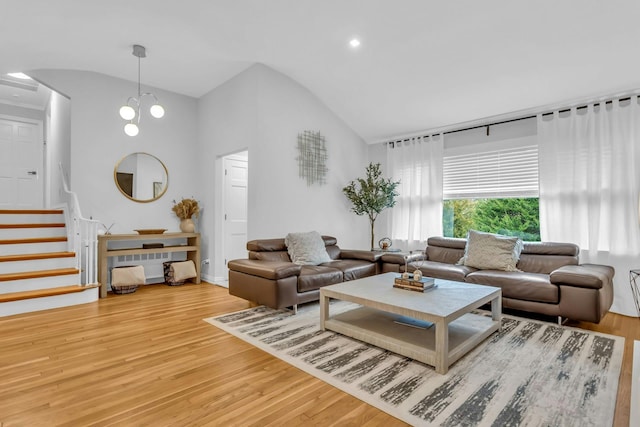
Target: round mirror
(141,177)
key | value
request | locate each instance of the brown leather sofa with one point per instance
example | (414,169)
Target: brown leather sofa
(269,277)
(550,280)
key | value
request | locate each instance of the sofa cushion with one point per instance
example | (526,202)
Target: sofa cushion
(353,268)
(518,285)
(487,251)
(584,276)
(442,270)
(445,249)
(306,248)
(272,270)
(544,264)
(313,277)
(282,256)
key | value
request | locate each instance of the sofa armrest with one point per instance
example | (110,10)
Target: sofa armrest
(584,276)
(360,254)
(399,258)
(272,270)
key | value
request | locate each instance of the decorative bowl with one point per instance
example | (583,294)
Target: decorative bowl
(151,230)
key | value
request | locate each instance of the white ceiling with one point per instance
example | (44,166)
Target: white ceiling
(422,63)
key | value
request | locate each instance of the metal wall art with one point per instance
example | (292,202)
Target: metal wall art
(312,157)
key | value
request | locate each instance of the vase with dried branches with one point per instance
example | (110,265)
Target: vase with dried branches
(185,210)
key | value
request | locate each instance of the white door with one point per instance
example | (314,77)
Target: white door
(21,151)
(236,168)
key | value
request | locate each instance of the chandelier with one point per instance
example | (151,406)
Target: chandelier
(131,110)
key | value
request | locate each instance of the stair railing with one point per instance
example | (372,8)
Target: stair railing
(83,235)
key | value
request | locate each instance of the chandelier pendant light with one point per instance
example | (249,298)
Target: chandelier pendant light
(131,110)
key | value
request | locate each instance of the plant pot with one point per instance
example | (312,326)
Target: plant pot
(187,225)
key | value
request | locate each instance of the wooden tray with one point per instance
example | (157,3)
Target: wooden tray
(151,230)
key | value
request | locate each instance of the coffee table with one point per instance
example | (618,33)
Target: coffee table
(436,327)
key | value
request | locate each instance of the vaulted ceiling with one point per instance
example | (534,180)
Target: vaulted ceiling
(421,63)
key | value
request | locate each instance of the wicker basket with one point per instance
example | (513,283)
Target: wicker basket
(123,289)
(121,281)
(168,275)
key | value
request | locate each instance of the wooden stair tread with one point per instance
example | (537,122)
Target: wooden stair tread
(34,225)
(44,255)
(33,240)
(31,211)
(38,274)
(39,293)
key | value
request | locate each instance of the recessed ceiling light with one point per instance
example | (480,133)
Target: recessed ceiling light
(22,76)
(354,42)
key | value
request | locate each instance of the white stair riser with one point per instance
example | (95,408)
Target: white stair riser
(40,283)
(36,265)
(45,303)
(33,248)
(30,233)
(30,218)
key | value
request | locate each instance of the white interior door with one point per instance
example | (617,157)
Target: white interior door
(236,169)
(21,151)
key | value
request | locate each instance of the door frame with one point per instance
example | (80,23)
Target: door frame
(44,203)
(220,265)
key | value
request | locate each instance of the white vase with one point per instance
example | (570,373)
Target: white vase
(187,225)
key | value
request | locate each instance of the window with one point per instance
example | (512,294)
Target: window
(510,217)
(492,187)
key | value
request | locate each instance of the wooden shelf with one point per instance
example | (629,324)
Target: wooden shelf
(138,251)
(192,248)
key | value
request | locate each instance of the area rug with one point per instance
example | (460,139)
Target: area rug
(529,373)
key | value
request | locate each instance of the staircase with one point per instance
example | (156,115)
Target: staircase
(37,270)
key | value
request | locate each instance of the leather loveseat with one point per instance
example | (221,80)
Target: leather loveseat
(269,277)
(550,280)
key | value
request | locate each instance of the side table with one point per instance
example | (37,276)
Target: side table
(634,278)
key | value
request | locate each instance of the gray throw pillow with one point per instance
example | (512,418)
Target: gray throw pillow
(487,251)
(306,248)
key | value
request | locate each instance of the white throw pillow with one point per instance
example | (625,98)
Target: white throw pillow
(486,251)
(306,248)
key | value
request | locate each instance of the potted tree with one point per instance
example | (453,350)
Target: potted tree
(371,195)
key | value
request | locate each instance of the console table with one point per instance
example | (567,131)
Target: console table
(192,248)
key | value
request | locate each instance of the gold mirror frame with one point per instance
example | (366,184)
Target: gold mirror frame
(155,189)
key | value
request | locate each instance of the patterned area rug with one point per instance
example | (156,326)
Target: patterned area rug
(527,374)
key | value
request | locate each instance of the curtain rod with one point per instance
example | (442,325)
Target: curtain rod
(581,105)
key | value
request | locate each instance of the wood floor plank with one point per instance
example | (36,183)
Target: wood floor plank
(148,358)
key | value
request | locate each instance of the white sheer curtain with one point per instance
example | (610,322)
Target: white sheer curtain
(417,164)
(589,183)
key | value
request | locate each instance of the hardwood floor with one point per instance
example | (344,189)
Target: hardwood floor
(147,358)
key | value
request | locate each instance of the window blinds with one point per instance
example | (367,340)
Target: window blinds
(504,173)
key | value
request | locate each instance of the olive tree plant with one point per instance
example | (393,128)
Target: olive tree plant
(371,195)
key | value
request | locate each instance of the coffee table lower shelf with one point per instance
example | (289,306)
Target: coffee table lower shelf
(386,330)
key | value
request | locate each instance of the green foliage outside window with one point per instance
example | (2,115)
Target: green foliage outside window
(511,217)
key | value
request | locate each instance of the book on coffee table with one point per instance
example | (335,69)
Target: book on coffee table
(425,283)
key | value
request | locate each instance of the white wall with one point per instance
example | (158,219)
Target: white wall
(98,142)
(263,111)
